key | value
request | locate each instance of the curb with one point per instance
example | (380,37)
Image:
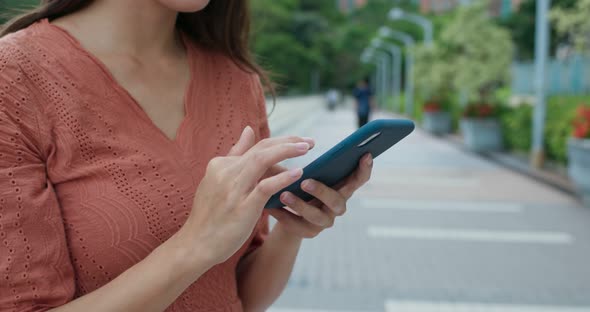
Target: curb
(507,161)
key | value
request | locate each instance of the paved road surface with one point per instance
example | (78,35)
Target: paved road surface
(437,229)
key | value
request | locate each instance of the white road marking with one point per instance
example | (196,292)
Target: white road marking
(470,235)
(424,205)
(420,306)
(307,310)
(442,182)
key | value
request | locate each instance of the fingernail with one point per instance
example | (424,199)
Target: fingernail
(309,141)
(308,185)
(302,146)
(287,198)
(370,160)
(245,130)
(293,173)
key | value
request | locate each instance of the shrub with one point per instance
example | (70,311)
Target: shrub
(561,110)
(480,110)
(437,104)
(517,123)
(582,123)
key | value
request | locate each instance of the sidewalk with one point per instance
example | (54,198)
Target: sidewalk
(441,228)
(520,163)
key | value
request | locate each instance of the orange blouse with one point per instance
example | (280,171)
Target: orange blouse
(89,186)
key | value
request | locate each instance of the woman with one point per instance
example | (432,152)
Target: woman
(120,189)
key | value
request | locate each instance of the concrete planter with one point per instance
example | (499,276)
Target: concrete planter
(437,122)
(482,134)
(579,167)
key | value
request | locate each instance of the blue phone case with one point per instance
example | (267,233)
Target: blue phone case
(341,160)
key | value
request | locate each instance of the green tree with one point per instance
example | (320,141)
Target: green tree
(574,23)
(295,38)
(521,25)
(476,51)
(433,76)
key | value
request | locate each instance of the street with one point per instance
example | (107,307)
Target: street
(436,229)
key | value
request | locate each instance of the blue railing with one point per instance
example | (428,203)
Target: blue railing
(570,76)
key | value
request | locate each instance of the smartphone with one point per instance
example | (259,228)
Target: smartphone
(342,160)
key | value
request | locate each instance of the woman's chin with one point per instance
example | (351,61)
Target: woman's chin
(185,6)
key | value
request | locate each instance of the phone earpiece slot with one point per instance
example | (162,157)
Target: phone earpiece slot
(369,139)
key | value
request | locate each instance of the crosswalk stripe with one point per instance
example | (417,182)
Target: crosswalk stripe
(444,206)
(308,310)
(419,306)
(470,235)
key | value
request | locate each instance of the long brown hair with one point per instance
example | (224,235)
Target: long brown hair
(224,26)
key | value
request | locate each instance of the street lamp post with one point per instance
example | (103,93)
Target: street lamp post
(396,67)
(368,57)
(542,37)
(408,41)
(380,61)
(383,65)
(426,24)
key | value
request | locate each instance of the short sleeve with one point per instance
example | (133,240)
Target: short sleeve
(262,228)
(36,273)
(262,117)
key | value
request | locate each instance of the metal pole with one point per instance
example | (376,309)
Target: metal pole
(541,53)
(384,68)
(409,83)
(396,68)
(383,81)
(426,26)
(375,79)
(379,86)
(397,83)
(396,72)
(368,56)
(378,76)
(423,22)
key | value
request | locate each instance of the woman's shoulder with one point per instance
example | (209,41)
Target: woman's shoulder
(26,37)
(23,47)
(12,47)
(19,59)
(14,54)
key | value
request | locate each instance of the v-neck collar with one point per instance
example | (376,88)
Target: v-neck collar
(189,92)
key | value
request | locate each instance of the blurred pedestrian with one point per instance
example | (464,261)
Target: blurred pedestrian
(364,101)
(125,184)
(332,97)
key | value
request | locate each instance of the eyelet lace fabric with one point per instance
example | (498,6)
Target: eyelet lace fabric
(88,189)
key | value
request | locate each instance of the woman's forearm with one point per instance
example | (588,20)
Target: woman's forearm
(263,275)
(150,285)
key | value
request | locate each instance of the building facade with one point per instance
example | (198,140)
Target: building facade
(497,7)
(350,5)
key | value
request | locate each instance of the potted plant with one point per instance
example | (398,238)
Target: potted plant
(474,55)
(434,77)
(579,153)
(480,127)
(437,119)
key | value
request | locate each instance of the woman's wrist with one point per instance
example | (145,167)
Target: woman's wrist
(284,235)
(191,258)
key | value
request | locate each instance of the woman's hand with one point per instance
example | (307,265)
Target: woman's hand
(310,218)
(230,198)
